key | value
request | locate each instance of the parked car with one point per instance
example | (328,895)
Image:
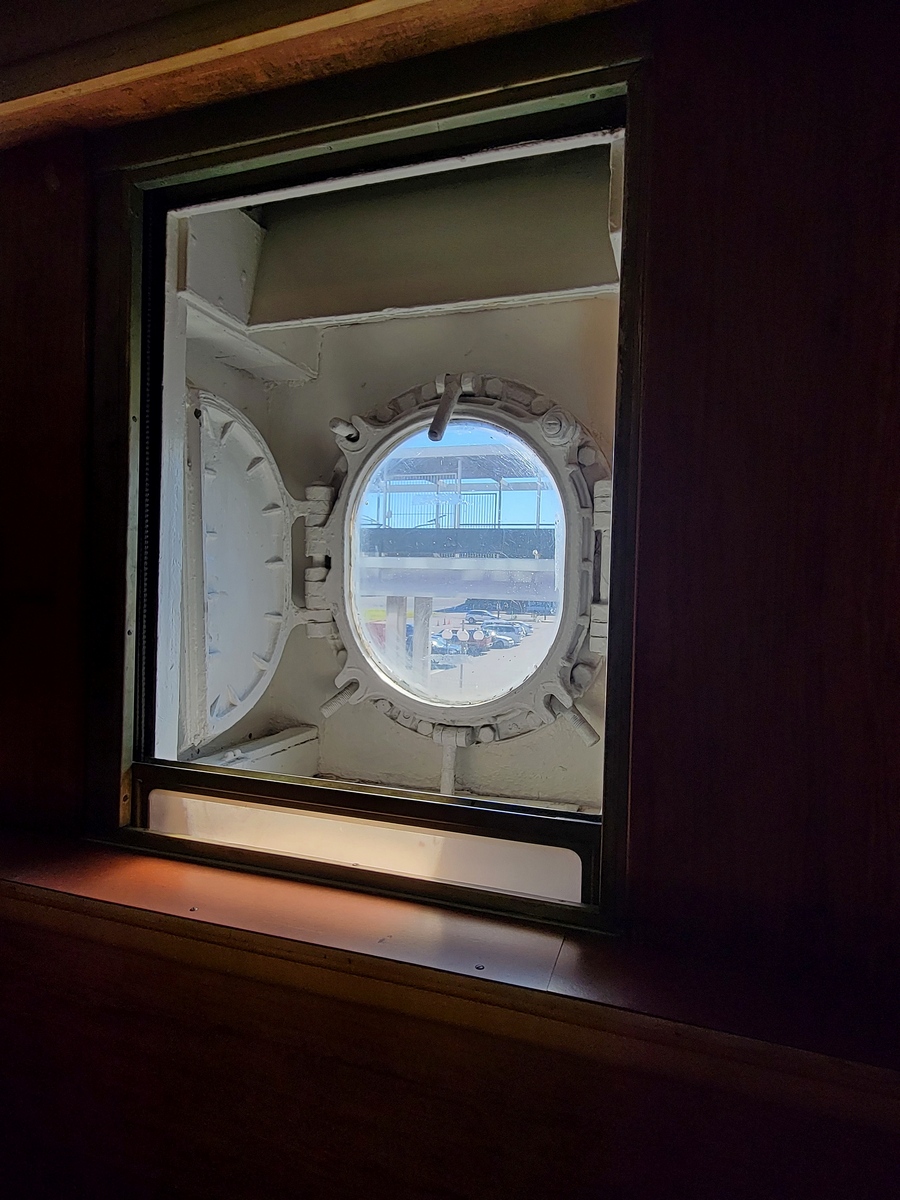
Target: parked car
(506,628)
(523,627)
(499,641)
(478,615)
(466,645)
(444,654)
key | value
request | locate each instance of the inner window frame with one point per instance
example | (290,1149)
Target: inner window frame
(134,198)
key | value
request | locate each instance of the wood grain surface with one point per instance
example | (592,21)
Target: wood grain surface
(766,762)
(766,766)
(766,757)
(611,1003)
(220,50)
(129,1072)
(43,392)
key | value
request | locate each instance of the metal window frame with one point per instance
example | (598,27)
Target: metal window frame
(545,84)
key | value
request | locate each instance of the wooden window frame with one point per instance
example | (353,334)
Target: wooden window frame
(542,84)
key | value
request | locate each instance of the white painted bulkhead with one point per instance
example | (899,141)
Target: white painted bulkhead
(293,375)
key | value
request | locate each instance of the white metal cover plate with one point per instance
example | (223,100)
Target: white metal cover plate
(247,517)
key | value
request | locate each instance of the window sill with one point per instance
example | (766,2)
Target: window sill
(578,993)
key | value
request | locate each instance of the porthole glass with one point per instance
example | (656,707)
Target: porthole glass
(456,563)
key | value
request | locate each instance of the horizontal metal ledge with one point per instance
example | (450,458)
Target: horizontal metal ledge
(578,832)
(359,879)
(489,818)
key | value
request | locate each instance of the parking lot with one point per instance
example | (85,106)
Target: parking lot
(477,677)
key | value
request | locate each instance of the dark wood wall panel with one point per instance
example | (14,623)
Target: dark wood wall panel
(766,789)
(124,1074)
(767,693)
(47,25)
(43,394)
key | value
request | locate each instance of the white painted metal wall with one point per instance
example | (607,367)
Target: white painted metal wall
(290,382)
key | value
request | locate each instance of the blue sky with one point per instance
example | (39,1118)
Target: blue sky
(519,507)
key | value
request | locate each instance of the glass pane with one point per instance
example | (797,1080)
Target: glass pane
(457,551)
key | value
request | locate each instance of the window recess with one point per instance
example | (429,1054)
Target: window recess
(377,635)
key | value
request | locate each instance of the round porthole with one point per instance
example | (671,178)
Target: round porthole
(456,562)
(463,575)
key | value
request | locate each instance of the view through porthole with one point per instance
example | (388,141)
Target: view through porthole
(457,551)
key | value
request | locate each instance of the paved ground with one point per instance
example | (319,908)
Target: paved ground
(476,678)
